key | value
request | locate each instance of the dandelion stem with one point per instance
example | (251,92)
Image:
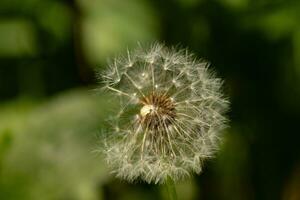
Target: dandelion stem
(170,185)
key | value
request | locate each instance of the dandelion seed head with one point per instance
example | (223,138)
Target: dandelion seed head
(171,114)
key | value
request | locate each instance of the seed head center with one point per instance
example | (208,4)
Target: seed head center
(147,109)
(158,111)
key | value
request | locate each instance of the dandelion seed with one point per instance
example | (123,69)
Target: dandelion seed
(171,118)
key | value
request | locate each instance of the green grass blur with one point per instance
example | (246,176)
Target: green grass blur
(51,116)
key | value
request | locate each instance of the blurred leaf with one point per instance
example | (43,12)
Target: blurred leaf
(109,26)
(277,23)
(17,38)
(48,14)
(51,157)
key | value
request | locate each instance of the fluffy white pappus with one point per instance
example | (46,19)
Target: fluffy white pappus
(171,115)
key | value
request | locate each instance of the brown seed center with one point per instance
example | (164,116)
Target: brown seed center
(158,111)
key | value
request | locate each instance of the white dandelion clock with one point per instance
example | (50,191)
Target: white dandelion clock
(171,114)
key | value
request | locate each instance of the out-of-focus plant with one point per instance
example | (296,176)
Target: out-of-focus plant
(50,155)
(109,26)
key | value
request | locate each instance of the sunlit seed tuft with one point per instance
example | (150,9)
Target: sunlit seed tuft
(171,114)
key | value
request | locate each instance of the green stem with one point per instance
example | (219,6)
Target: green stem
(171,189)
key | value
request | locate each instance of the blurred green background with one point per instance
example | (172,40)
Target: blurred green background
(51,117)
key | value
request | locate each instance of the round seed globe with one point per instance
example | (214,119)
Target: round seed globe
(171,114)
